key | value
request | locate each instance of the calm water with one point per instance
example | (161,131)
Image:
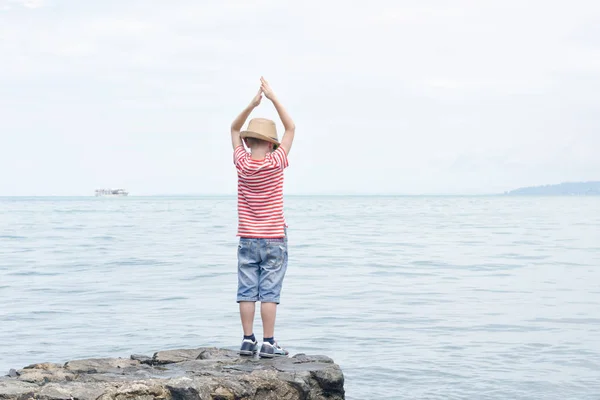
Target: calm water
(415,297)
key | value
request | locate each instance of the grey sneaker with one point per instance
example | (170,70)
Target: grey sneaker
(249,347)
(269,350)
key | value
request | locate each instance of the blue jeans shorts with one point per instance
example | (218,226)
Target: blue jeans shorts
(262,264)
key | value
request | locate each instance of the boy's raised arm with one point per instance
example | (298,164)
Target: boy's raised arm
(236,125)
(288,124)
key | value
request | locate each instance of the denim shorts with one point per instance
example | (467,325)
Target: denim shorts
(262,264)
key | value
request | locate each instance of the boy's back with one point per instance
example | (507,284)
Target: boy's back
(260,194)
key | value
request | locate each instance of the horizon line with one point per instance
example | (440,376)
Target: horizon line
(285,195)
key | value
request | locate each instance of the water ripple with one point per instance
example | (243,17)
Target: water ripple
(415,297)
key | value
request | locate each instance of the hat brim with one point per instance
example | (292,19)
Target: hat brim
(256,135)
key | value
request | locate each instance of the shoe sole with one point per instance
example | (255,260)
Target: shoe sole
(247,353)
(268,355)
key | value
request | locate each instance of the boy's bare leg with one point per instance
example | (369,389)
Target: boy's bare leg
(267,313)
(247,309)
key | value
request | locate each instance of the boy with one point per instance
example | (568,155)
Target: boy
(262,249)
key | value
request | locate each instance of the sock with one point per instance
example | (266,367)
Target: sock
(251,337)
(269,339)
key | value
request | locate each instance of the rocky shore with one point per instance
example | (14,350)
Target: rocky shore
(188,374)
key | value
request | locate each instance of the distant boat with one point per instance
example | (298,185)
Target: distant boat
(111,192)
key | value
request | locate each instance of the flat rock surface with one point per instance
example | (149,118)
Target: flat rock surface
(184,374)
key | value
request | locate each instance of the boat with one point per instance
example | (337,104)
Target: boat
(111,192)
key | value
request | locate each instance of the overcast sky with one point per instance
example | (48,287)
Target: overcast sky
(390,96)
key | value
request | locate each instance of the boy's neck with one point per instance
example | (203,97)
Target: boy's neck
(258,154)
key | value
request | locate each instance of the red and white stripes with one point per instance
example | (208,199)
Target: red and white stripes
(260,194)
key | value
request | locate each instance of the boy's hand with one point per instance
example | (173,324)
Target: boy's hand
(288,124)
(266,89)
(256,100)
(239,121)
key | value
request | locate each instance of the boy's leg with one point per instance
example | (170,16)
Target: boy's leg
(247,309)
(272,272)
(247,293)
(268,312)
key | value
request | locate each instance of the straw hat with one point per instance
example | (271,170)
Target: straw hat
(261,128)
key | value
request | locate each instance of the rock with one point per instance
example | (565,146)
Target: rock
(175,356)
(44,366)
(14,389)
(222,393)
(13,373)
(185,374)
(41,376)
(217,354)
(72,390)
(301,357)
(142,358)
(329,379)
(100,365)
(145,390)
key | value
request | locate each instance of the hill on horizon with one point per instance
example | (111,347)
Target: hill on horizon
(591,188)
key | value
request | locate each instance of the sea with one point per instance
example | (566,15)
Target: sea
(439,297)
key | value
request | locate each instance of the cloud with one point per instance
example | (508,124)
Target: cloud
(409,89)
(31,4)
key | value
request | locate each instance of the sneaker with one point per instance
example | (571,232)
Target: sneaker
(249,347)
(269,350)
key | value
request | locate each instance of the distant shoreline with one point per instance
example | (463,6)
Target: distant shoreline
(591,188)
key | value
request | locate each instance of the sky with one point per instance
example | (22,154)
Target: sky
(388,96)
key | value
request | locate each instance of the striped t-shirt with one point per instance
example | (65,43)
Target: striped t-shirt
(260,194)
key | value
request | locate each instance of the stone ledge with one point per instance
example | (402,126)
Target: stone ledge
(183,374)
